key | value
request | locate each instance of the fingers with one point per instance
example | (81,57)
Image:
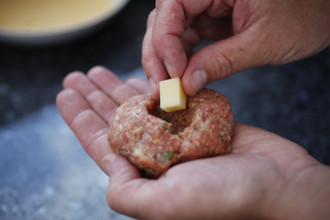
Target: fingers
(103,105)
(171,35)
(87,103)
(168,27)
(222,59)
(140,85)
(111,85)
(152,64)
(90,129)
(170,22)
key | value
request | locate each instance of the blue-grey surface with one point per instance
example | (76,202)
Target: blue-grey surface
(44,172)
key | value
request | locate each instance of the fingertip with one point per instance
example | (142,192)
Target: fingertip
(194,82)
(71,78)
(156,95)
(187,89)
(96,70)
(154,88)
(69,102)
(65,97)
(171,70)
(139,84)
(198,80)
(60,97)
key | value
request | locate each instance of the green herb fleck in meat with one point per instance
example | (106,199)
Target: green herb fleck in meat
(222,138)
(197,147)
(123,150)
(169,155)
(164,126)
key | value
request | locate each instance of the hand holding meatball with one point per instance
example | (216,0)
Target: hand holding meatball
(153,139)
(265,176)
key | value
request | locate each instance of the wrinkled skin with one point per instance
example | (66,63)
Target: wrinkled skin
(244,33)
(265,176)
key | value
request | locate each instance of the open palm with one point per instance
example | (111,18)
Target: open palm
(262,170)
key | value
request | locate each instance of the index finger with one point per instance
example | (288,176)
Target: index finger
(169,26)
(90,129)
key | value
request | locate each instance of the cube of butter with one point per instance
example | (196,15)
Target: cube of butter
(172,96)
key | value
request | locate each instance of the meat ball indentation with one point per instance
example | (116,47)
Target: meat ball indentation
(179,120)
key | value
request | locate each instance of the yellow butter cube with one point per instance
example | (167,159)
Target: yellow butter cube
(172,96)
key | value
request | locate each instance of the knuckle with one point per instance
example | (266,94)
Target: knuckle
(146,59)
(220,66)
(71,78)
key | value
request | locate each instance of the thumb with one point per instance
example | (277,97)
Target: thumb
(222,59)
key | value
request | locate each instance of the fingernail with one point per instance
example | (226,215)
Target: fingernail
(198,79)
(169,69)
(152,85)
(107,166)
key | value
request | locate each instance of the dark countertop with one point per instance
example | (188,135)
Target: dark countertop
(44,172)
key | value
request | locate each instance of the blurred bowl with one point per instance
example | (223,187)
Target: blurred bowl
(53,34)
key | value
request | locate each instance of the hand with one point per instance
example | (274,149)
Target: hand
(247,34)
(265,176)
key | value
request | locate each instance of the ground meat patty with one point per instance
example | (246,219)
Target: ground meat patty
(153,140)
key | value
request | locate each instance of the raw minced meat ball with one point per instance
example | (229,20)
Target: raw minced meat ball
(153,140)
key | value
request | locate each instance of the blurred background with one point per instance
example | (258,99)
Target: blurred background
(45,173)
